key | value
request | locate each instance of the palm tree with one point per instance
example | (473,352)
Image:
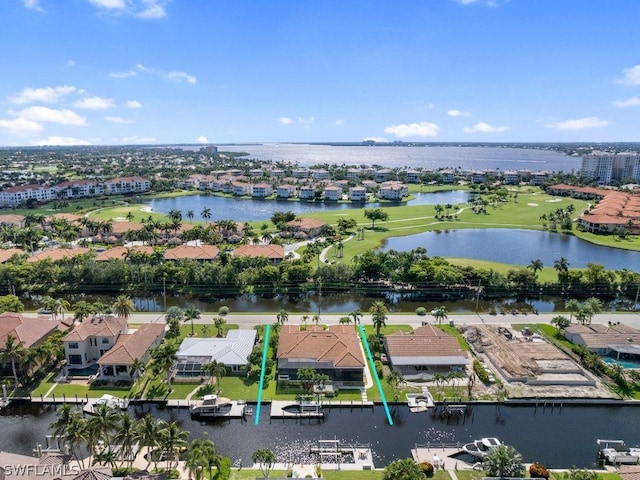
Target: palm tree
(125,436)
(572,306)
(395,379)
(13,352)
(63,418)
(130,216)
(265,458)
(103,422)
(206,214)
(137,369)
(200,456)
(190,215)
(123,306)
(215,370)
(535,266)
(75,434)
(190,314)
(82,310)
(147,433)
(163,358)
(592,307)
(562,267)
(378,315)
(172,440)
(357,316)
(440,313)
(282,317)
(218,322)
(60,306)
(503,461)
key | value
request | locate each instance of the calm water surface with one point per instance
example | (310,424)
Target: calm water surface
(557,437)
(518,247)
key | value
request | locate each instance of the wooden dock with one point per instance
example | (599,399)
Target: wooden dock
(335,450)
(441,455)
(279,410)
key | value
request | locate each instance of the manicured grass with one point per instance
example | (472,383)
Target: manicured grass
(181,390)
(71,390)
(240,388)
(354,475)
(470,474)
(204,330)
(602,475)
(45,385)
(452,330)
(253,474)
(389,329)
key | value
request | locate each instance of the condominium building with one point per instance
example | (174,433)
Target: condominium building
(604,167)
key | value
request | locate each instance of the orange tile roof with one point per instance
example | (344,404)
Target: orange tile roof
(130,347)
(339,345)
(306,223)
(273,252)
(28,330)
(203,252)
(119,253)
(66,216)
(6,254)
(121,227)
(425,341)
(96,327)
(10,219)
(56,254)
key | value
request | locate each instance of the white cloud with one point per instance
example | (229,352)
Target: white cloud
(151,9)
(133,104)
(285,120)
(631,76)
(375,139)
(33,5)
(137,139)
(484,127)
(422,129)
(60,141)
(46,114)
(71,63)
(629,102)
(109,4)
(128,74)
(580,123)
(95,103)
(306,121)
(489,3)
(21,126)
(46,94)
(340,122)
(202,139)
(117,119)
(182,77)
(142,68)
(457,113)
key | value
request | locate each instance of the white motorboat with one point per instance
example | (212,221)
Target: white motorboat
(419,402)
(212,406)
(480,448)
(616,452)
(108,400)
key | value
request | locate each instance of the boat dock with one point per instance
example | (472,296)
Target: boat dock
(334,449)
(283,409)
(441,455)
(239,408)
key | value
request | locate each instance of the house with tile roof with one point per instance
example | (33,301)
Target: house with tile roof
(7,253)
(116,363)
(425,351)
(616,340)
(202,253)
(233,351)
(335,352)
(28,331)
(310,227)
(57,254)
(120,253)
(274,253)
(91,339)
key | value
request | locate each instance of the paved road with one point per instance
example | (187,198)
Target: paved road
(251,320)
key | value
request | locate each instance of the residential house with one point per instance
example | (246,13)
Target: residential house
(286,191)
(425,351)
(300,173)
(239,188)
(12,219)
(382,175)
(353,174)
(122,253)
(256,173)
(26,330)
(310,227)
(234,172)
(6,254)
(233,351)
(413,176)
(447,175)
(261,190)
(370,185)
(538,178)
(57,254)
(393,191)
(79,189)
(617,340)
(307,192)
(333,193)
(117,362)
(125,185)
(277,173)
(203,253)
(321,174)
(335,352)
(275,253)
(358,194)
(21,194)
(511,177)
(91,339)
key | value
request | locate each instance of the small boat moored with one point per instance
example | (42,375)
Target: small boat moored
(616,452)
(108,400)
(480,448)
(212,406)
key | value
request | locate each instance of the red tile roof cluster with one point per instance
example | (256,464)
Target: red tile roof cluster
(202,252)
(96,327)
(27,330)
(272,252)
(56,254)
(425,341)
(133,346)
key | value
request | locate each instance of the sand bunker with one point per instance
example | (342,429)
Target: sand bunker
(532,204)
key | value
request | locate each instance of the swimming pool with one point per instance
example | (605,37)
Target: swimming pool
(623,362)
(82,372)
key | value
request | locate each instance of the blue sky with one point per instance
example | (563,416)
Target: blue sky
(230,71)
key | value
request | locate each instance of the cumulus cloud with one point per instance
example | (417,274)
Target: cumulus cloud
(137,139)
(580,123)
(21,126)
(457,113)
(629,102)
(285,120)
(202,139)
(484,127)
(116,119)
(133,104)
(45,94)
(60,141)
(127,74)
(95,103)
(182,77)
(340,122)
(46,114)
(33,5)
(145,9)
(630,76)
(422,129)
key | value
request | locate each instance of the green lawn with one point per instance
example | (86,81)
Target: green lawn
(70,390)
(181,390)
(389,329)
(45,385)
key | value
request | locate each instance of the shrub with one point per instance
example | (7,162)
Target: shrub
(427,468)
(421,311)
(224,310)
(481,372)
(379,369)
(537,470)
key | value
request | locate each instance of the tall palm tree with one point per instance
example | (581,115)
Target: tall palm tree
(137,369)
(190,215)
(218,322)
(282,317)
(13,352)
(163,358)
(123,306)
(215,370)
(63,418)
(125,436)
(191,313)
(147,433)
(378,315)
(535,266)
(356,315)
(592,307)
(572,306)
(206,214)
(440,313)
(103,422)
(172,440)
(76,434)
(82,310)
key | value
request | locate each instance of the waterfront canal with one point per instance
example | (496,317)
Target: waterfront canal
(558,436)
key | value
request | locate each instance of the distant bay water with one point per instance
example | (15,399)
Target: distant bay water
(428,157)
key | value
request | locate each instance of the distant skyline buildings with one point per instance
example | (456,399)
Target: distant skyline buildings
(606,167)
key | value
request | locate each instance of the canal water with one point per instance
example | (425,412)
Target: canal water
(557,436)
